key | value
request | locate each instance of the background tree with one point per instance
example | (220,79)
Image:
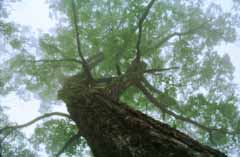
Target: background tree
(13,144)
(164,53)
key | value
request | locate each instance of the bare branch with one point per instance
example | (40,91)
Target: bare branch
(140,24)
(160,70)
(68,143)
(55,60)
(93,60)
(168,37)
(75,21)
(34,121)
(162,107)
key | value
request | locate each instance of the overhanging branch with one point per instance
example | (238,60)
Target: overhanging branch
(140,27)
(162,107)
(34,121)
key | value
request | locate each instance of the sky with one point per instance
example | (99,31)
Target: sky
(35,13)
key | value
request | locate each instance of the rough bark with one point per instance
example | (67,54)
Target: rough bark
(112,129)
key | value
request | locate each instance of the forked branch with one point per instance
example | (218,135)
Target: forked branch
(140,27)
(14,127)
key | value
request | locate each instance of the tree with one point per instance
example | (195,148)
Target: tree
(109,59)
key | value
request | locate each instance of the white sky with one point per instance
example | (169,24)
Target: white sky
(34,13)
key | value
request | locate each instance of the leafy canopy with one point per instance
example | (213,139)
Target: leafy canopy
(183,34)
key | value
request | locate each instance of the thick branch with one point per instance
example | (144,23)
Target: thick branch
(140,25)
(68,143)
(75,22)
(162,107)
(34,121)
(150,87)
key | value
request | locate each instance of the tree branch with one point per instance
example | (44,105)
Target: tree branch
(162,107)
(55,60)
(168,37)
(68,143)
(118,68)
(75,22)
(34,121)
(95,60)
(150,87)
(140,24)
(160,70)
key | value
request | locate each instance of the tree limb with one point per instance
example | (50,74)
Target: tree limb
(68,143)
(162,107)
(160,70)
(118,68)
(54,60)
(150,87)
(75,22)
(34,121)
(168,37)
(140,24)
(95,60)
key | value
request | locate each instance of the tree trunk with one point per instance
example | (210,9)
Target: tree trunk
(112,129)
